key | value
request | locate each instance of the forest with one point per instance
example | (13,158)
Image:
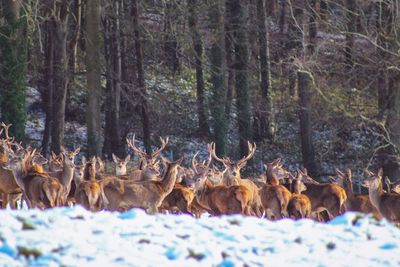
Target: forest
(313,82)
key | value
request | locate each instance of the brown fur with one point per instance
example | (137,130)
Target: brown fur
(223,199)
(355,202)
(124,195)
(326,195)
(388,204)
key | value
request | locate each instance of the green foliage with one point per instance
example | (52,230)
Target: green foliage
(13,58)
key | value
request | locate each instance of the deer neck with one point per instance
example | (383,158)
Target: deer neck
(375,194)
(67,175)
(201,194)
(168,182)
(19,173)
(348,188)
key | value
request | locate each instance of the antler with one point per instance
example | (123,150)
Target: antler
(211,150)
(194,162)
(252,150)
(162,147)
(132,145)
(6,128)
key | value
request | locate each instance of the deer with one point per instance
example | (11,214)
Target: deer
(89,191)
(148,195)
(274,196)
(40,190)
(8,185)
(55,162)
(355,202)
(120,167)
(388,204)
(219,199)
(327,196)
(299,205)
(66,175)
(149,166)
(181,197)
(392,187)
(232,176)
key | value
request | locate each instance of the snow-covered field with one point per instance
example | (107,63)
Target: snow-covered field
(76,237)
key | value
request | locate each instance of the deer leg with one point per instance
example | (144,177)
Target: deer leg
(5,198)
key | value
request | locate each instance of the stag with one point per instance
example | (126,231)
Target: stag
(232,176)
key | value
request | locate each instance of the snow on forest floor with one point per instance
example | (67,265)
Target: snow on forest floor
(76,237)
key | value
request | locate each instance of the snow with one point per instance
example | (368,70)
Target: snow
(76,237)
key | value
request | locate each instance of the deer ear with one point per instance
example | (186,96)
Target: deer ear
(276,162)
(83,160)
(380,172)
(115,159)
(128,158)
(62,149)
(77,150)
(339,173)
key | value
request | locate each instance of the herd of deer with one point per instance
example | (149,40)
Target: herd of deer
(277,193)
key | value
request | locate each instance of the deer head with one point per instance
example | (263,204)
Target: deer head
(374,181)
(120,168)
(232,168)
(200,175)
(298,185)
(144,157)
(275,170)
(69,156)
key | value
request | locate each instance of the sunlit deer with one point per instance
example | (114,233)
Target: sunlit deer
(299,205)
(355,202)
(120,164)
(388,204)
(324,195)
(66,175)
(89,191)
(274,196)
(126,194)
(40,190)
(232,176)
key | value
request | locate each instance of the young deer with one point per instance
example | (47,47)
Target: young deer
(388,204)
(324,196)
(125,194)
(274,196)
(40,190)
(355,202)
(67,173)
(232,176)
(299,205)
(89,191)
(120,164)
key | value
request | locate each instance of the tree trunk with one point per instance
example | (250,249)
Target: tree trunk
(217,77)
(171,43)
(93,76)
(204,130)
(74,42)
(60,27)
(140,76)
(13,58)
(267,125)
(351,29)
(48,82)
(229,57)
(239,11)
(307,147)
(282,15)
(312,27)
